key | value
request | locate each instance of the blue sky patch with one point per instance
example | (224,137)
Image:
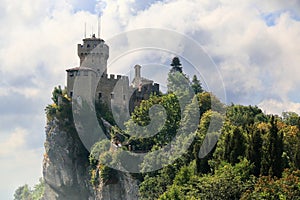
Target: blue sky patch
(88,6)
(271,18)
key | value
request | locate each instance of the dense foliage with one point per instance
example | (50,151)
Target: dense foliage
(257,156)
(26,193)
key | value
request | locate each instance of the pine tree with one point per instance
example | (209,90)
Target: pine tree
(254,151)
(237,142)
(234,145)
(271,163)
(196,85)
(277,148)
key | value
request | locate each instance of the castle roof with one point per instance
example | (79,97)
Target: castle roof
(93,38)
(80,68)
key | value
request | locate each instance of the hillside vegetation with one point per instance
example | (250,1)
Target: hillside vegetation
(257,156)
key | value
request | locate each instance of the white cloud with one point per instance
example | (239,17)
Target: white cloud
(19,164)
(271,106)
(255,59)
(15,140)
(38,41)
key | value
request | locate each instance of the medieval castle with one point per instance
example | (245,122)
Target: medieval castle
(91,78)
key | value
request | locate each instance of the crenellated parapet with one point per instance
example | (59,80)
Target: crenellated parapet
(91,77)
(93,53)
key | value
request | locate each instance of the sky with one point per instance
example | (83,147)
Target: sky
(254,45)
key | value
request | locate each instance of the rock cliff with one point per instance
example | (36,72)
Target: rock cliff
(66,170)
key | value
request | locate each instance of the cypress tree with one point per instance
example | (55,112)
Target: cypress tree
(254,152)
(271,163)
(196,85)
(237,142)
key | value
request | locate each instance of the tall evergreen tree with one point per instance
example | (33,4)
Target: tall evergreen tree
(237,141)
(234,145)
(176,65)
(254,151)
(271,163)
(196,85)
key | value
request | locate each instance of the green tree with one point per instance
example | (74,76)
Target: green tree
(56,93)
(208,101)
(292,145)
(173,193)
(23,193)
(207,134)
(196,85)
(38,190)
(271,163)
(244,116)
(235,145)
(291,118)
(26,193)
(153,186)
(228,182)
(254,151)
(176,65)
(266,187)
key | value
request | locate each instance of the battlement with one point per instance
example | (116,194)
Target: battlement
(113,77)
(93,48)
(93,54)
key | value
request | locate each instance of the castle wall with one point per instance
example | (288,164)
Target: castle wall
(93,83)
(93,53)
(142,93)
(113,88)
(82,83)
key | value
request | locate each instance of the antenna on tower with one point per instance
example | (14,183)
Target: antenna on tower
(84,29)
(99,26)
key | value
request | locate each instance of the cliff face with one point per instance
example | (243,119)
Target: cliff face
(125,188)
(66,171)
(65,166)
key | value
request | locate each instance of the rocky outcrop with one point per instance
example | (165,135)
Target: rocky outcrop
(126,187)
(66,170)
(66,165)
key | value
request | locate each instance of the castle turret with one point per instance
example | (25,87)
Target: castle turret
(137,71)
(91,82)
(138,80)
(93,53)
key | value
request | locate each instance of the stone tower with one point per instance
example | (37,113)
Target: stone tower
(90,80)
(93,53)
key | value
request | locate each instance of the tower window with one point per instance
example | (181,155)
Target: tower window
(112,95)
(71,74)
(99,95)
(71,94)
(88,45)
